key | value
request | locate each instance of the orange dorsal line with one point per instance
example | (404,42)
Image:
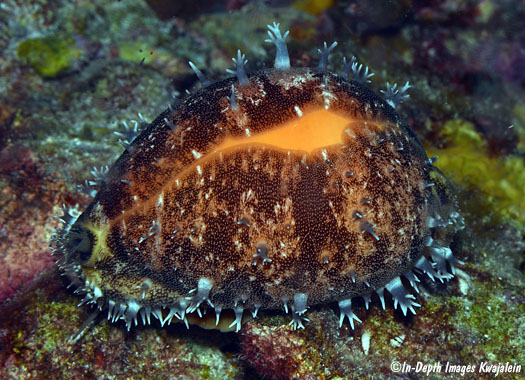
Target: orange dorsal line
(309,132)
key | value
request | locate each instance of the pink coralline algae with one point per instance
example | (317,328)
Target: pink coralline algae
(26,221)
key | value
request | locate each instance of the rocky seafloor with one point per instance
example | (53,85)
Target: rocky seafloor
(72,71)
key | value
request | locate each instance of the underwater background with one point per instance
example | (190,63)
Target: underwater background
(72,71)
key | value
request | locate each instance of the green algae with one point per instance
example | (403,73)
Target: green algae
(486,10)
(314,7)
(498,182)
(137,51)
(50,55)
(55,323)
(41,342)
(494,322)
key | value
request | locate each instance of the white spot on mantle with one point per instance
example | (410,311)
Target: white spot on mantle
(196,154)
(327,96)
